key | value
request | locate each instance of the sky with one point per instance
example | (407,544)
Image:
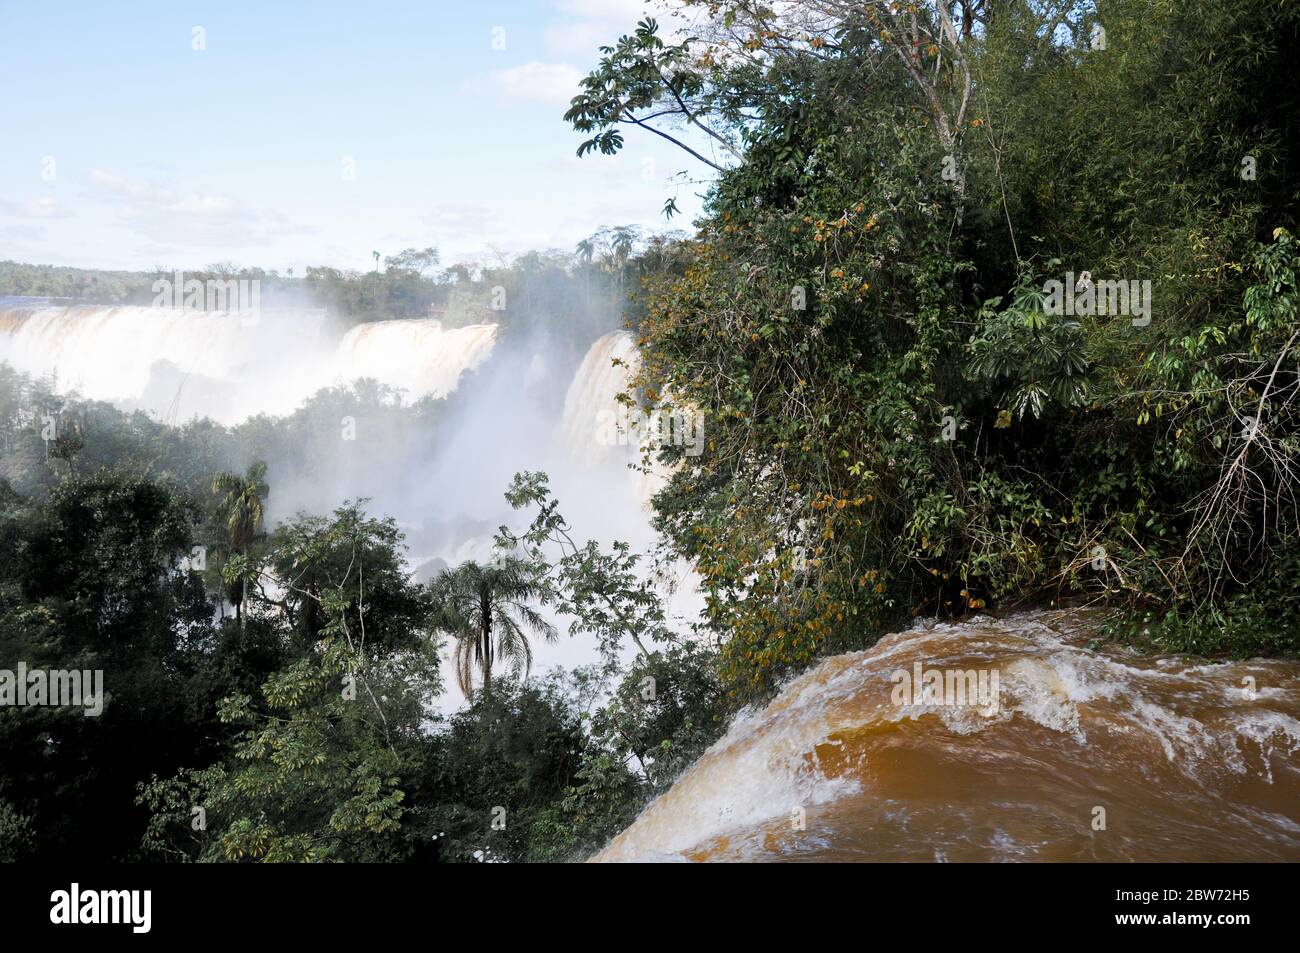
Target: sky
(280,135)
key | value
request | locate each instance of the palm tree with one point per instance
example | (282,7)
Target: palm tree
(622,242)
(241,504)
(485,608)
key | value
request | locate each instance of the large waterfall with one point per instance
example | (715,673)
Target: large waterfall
(605,373)
(109,353)
(178,364)
(417,356)
(599,429)
(1086,755)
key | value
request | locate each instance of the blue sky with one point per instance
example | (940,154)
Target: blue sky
(125,147)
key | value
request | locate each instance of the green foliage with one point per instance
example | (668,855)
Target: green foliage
(17,839)
(895,423)
(601,591)
(92,582)
(642,79)
(504,765)
(1035,360)
(668,708)
(315,772)
(488,611)
(343,576)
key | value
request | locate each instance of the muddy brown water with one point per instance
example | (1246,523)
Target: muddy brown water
(1080,755)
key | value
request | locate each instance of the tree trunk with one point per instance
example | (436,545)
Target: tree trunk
(485,608)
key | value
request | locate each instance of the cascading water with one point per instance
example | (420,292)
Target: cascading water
(596,427)
(415,355)
(1187,760)
(605,373)
(109,353)
(1087,755)
(182,363)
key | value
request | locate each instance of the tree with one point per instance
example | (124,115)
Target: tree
(325,744)
(88,581)
(418,261)
(486,609)
(604,592)
(241,506)
(513,754)
(640,80)
(895,419)
(347,568)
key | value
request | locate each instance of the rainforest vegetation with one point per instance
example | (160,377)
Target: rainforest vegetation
(410,283)
(898,423)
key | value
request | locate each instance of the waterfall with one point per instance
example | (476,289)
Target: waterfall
(593,427)
(605,372)
(108,353)
(415,355)
(178,364)
(1087,755)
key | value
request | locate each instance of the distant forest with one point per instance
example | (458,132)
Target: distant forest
(589,284)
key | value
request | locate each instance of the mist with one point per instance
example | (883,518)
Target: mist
(426,419)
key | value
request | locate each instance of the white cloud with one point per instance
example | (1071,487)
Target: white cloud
(582,39)
(44,207)
(152,197)
(458,214)
(591,24)
(538,82)
(203,205)
(456,226)
(162,213)
(109,183)
(605,9)
(27,232)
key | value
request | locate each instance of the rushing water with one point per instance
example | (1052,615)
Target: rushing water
(417,356)
(592,427)
(605,372)
(179,364)
(1189,760)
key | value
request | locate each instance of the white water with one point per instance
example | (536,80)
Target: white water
(180,364)
(1189,760)
(418,357)
(605,373)
(585,429)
